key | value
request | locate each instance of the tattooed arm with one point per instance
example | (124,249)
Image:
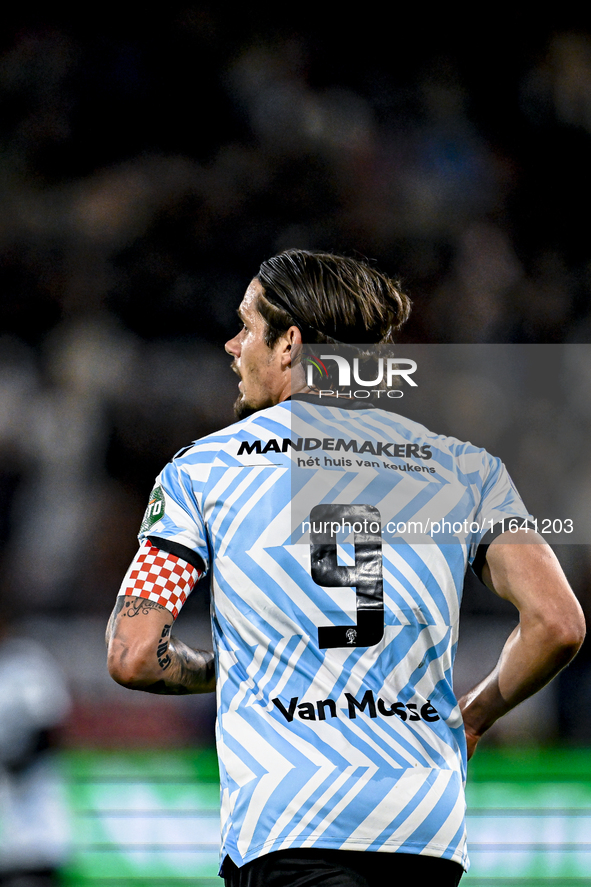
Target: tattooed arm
(143,655)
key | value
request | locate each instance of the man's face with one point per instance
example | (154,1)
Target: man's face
(263,380)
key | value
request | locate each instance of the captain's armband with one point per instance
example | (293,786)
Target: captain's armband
(162,576)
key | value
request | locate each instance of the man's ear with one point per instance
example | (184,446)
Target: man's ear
(292,346)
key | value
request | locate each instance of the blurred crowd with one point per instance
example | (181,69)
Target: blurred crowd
(144,175)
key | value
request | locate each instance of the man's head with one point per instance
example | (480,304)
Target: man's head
(300,296)
(332,299)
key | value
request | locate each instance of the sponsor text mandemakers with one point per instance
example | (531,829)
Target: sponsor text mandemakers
(340,445)
(337,444)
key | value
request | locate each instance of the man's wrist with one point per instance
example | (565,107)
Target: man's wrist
(482,706)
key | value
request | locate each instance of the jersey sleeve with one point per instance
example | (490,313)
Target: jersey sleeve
(173,522)
(501,508)
(173,551)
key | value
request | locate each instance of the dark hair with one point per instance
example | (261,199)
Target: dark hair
(330,298)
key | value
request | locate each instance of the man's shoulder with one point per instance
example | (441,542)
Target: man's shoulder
(263,422)
(374,414)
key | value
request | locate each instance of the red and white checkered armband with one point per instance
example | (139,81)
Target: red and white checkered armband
(160,577)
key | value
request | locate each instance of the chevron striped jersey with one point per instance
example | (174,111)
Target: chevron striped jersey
(334,621)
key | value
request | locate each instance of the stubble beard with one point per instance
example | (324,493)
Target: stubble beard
(242,409)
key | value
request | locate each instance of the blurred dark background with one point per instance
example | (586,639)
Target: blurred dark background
(149,163)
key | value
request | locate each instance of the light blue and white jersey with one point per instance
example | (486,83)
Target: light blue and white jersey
(336,589)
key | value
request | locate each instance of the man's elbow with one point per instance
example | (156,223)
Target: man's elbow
(567,634)
(575,635)
(131,669)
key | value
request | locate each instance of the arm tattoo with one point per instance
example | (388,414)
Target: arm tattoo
(126,605)
(133,606)
(113,619)
(164,660)
(186,670)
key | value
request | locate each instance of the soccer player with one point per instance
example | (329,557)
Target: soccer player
(342,748)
